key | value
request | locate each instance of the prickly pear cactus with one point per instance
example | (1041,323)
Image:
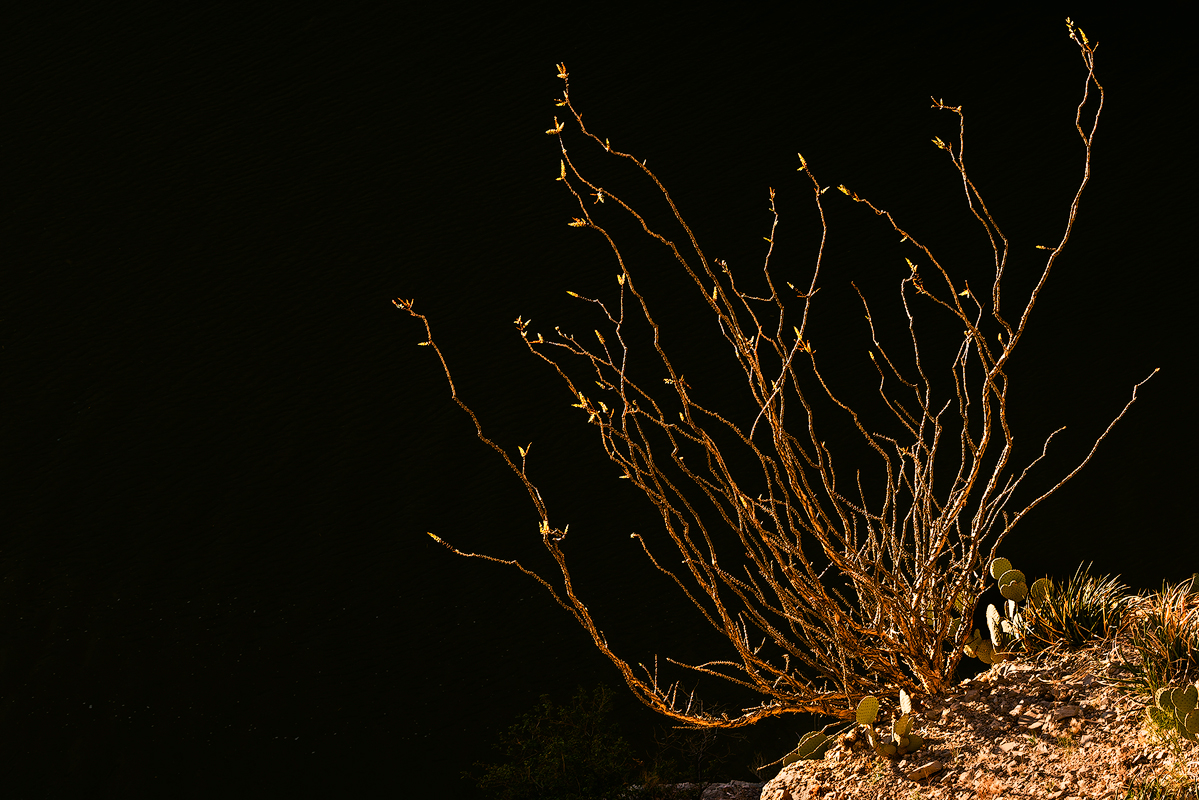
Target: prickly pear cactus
(1177,707)
(901,740)
(813,745)
(1005,628)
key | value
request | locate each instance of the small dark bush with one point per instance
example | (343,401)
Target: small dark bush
(569,752)
(573,752)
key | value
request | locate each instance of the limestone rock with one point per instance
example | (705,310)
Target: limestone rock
(792,783)
(733,790)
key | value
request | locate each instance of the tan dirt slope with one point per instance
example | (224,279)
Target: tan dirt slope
(1054,726)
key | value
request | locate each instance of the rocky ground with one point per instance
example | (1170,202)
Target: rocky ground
(1054,726)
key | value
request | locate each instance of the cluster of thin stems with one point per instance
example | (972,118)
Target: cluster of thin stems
(832,598)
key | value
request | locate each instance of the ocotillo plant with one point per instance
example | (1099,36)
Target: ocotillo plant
(840,597)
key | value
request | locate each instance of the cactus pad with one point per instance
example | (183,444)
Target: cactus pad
(1013,585)
(1039,590)
(1158,716)
(1011,576)
(867,710)
(813,745)
(994,626)
(1016,590)
(1185,700)
(871,738)
(1000,566)
(1176,707)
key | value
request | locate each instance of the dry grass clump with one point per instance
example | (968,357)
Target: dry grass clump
(1163,627)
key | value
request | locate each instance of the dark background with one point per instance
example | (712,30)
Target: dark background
(222,447)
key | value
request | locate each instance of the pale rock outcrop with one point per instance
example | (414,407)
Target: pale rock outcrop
(733,790)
